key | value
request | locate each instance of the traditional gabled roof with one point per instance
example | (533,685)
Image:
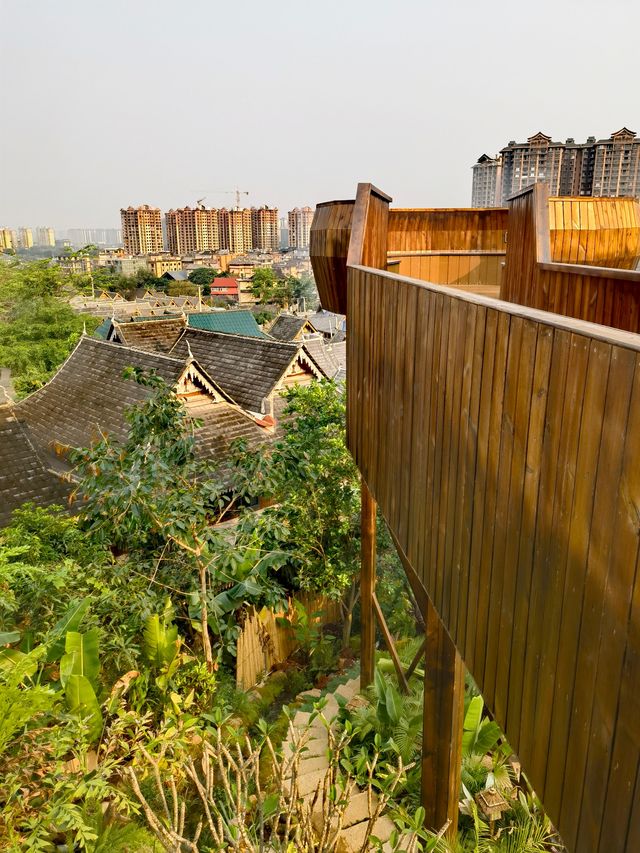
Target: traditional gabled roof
(89,394)
(330,357)
(229,322)
(154,335)
(288,327)
(24,476)
(247,368)
(220,425)
(176,275)
(327,322)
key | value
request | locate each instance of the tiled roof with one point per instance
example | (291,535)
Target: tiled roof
(221,425)
(23,473)
(327,322)
(230,322)
(246,368)
(156,335)
(89,393)
(286,327)
(331,358)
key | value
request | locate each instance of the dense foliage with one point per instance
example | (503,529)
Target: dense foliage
(37,329)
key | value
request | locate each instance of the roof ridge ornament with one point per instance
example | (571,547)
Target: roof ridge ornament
(191,358)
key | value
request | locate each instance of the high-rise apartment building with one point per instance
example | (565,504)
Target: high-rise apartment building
(24,239)
(300,219)
(604,167)
(487,177)
(526,163)
(265,227)
(45,237)
(192,230)
(6,239)
(616,165)
(235,229)
(141,230)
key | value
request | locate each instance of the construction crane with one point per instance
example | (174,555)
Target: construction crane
(235,192)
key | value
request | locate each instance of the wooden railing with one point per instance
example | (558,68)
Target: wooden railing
(501,444)
(598,294)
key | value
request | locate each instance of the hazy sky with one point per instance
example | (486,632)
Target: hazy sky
(107,103)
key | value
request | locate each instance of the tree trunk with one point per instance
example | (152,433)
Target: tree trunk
(204,616)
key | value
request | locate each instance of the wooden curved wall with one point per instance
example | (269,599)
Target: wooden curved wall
(329,246)
(600,231)
(588,292)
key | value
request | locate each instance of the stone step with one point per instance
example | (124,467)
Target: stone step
(348,691)
(352,838)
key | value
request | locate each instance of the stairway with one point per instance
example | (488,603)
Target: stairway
(314,764)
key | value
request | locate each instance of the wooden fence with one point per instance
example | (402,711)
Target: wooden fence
(594,293)
(501,444)
(263,642)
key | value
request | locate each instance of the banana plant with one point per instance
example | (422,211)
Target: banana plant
(79,669)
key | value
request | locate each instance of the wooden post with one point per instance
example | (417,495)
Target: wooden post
(442,721)
(367,585)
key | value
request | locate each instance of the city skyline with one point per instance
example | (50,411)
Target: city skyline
(83,140)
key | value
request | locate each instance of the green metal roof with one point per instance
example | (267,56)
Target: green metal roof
(103,329)
(231,322)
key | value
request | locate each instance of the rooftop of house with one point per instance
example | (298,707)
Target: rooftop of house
(230,322)
(24,476)
(287,327)
(89,394)
(247,368)
(329,356)
(88,397)
(152,335)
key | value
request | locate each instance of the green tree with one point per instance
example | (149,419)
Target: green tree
(37,330)
(203,276)
(316,489)
(151,495)
(267,288)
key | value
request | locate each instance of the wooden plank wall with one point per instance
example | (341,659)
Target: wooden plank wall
(478,272)
(263,643)
(600,231)
(596,294)
(461,247)
(502,446)
(447,229)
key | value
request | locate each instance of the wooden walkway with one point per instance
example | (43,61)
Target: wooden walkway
(501,444)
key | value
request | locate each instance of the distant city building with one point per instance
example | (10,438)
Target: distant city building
(192,230)
(24,238)
(6,239)
(487,177)
(80,237)
(265,227)
(45,237)
(160,264)
(129,266)
(284,232)
(141,230)
(604,167)
(300,219)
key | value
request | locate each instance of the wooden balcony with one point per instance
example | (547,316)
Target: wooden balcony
(501,444)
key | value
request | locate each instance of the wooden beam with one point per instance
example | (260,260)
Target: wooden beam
(367,585)
(388,641)
(418,657)
(442,726)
